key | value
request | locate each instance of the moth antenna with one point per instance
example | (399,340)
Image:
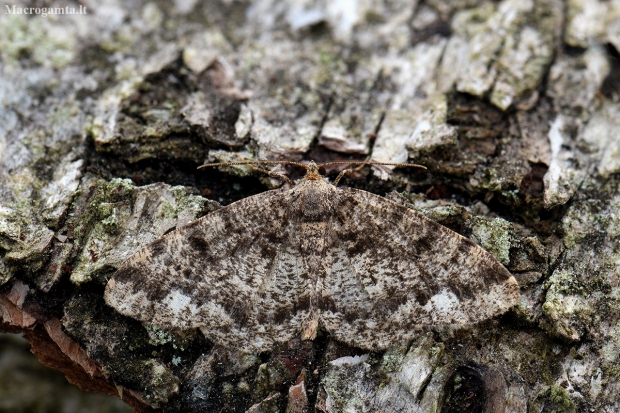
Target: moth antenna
(273,174)
(361,164)
(209,165)
(364,163)
(270,173)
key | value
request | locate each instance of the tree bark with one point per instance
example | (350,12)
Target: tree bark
(512,106)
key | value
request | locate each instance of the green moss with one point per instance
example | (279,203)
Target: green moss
(393,358)
(271,376)
(120,216)
(238,170)
(157,336)
(610,351)
(22,234)
(21,35)
(6,271)
(123,40)
(494,236)
(154,380)
(184,201)
(347,385)
(374,17)
(62,115)
(553,399)
(578,222)
(110,223)
(565,281)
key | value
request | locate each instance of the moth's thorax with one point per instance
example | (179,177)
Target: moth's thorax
(314,199)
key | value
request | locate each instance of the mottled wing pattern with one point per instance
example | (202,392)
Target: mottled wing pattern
(233,273)
(390,269)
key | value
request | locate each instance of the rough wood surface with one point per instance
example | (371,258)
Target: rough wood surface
(512,105)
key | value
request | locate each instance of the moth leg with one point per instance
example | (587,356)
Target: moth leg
(342,174)
(349,170)
(273,174)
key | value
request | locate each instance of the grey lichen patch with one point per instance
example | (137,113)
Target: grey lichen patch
(575,80)
(415,108)
(345,129)
(397,382)
(6,271)
(220,155)
(344,381)
(573,150)
(59,192)
(582,292)
(503,49)
(568,311)
(244,123)
(567,167)
(157,336)
(23,237)
(493,235)
(576,149)
(193,111)
(414,371)
(432,130)
(610,350)
(480,33)
(204,48)
(590,21)
(287,114)
(124,28)
(286,119)
(49,41)
(604,375)
(600,139)
(125,217)
(578,222)
(583,367)
(271,404)
(159,384)
(526,55)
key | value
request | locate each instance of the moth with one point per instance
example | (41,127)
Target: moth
(288,262)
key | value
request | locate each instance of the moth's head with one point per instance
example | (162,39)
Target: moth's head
(312,172)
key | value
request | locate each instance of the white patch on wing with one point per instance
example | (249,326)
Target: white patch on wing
(177,302)
(443,304)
